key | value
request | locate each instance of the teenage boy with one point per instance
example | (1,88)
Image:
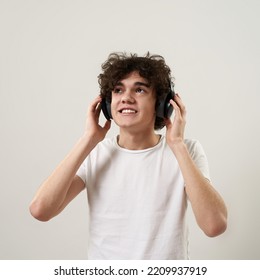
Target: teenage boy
(139,182)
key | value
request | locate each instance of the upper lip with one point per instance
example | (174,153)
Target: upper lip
(127,108)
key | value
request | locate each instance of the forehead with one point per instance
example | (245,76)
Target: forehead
(134,77)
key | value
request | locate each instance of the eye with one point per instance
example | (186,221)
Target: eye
(140,90)
(117,90)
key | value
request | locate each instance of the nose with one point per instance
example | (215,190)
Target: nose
(127,98)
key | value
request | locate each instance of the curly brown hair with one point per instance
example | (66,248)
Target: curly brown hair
(151,67)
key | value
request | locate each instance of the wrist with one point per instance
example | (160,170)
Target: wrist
(88,141)
(176,142)
(178,145)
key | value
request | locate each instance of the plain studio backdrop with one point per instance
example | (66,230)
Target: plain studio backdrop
(50,56)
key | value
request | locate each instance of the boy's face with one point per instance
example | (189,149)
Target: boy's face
(133,103)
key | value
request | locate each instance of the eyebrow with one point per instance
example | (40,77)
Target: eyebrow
(135,84)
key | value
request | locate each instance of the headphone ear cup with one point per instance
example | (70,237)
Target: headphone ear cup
(106,108)
(165,109)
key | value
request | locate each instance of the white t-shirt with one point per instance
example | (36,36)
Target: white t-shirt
(137,201)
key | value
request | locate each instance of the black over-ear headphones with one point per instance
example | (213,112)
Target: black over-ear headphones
(164,108)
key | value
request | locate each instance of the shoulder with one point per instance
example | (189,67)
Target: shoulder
(198,155)
(103,149)
(193,146)
(107,143)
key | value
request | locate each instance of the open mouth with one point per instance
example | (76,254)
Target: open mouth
(127,111)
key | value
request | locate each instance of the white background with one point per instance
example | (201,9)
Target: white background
(51,53)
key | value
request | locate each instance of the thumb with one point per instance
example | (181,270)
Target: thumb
(168,123)
(107,125)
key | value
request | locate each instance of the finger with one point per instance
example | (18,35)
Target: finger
(179,115)
(94,104)
(176,107)
(98,109)
(180,104)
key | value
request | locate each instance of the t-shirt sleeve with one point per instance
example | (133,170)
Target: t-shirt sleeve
(199,157)
(82,172)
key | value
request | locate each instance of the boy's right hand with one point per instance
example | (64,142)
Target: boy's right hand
(93,130)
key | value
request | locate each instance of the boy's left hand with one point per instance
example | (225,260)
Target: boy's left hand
(175,129)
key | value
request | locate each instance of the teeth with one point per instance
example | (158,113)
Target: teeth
(128,111)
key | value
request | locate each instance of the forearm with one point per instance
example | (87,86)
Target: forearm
(62,185)
(52,193)
(208,206)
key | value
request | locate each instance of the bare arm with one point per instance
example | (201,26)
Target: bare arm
(63,185)
(208,206)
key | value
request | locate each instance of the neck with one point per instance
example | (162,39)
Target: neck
(138,141)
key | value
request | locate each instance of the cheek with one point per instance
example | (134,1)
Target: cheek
(115,99)
(113,105)
(149,107)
